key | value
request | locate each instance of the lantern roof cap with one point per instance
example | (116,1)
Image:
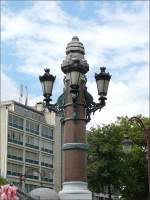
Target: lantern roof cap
(75,46)
(74,60)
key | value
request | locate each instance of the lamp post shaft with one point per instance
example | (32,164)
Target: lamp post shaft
(74,138)
(74,147)
(147,135)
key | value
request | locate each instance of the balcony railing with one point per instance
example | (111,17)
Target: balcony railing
(46,165)
(15,157)
(47,150)
(14,173)
(32,131)
(47,136)
(15,125)
(32,161)
(32,177)
(32,146)
(46,179)
(15,141)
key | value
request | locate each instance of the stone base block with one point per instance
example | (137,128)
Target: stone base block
(75,190)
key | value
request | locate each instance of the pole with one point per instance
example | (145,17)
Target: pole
(109,191)
(147,135)
(74,141)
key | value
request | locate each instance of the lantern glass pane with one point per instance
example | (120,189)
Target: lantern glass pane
(75,77)
(100,86)
(47,87)
(105,88)
(127,148)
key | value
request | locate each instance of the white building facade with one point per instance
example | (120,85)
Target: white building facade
(27,137)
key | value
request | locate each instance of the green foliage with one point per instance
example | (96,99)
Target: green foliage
(2,181)
(109,167)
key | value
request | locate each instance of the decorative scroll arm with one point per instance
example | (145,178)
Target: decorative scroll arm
(137,120)
(91,106)
(58,107)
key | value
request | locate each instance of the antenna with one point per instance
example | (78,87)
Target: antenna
(21,93)
(26,98)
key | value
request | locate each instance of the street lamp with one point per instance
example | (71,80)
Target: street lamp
(75,105)
(47,81)
(127,143)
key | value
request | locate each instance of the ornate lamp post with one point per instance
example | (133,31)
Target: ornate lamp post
(75,106)
(127,143)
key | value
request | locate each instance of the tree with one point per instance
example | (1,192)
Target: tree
(109,167)
(135,176)
(104,158)
(2,181)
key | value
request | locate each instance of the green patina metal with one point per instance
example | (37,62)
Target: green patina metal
(88,97)
(75,146)
(91,106)
(60,105)
(61,99)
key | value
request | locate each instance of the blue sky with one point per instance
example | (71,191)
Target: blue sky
(114,33)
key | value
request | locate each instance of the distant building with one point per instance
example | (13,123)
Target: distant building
(30,147)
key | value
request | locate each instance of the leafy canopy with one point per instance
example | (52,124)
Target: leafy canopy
(109,167)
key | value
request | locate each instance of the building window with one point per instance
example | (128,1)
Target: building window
(47,161)
(32,142)
(46,175)
(15,137)
(15,121)
(47,146)
(32,173)
(14,153)
(32,127)
(32,157)
(47,132)
(14,169)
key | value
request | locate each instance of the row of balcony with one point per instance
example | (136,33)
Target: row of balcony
(18,174)
(32,161)
(46,179)
(32,177)
(36,162)
(46,164)
(33,131)
(36,132)
(29,145)
(47,136)
(32,146)
(47,150)
(15,157)
(14,173)
(15,141)
(15,125)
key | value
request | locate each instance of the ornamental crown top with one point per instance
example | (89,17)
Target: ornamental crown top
(75,46)
(74,60)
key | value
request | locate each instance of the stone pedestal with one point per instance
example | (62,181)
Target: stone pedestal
(75,190)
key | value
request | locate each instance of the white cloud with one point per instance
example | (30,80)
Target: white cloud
(11,91)
(117,38)
(8,88)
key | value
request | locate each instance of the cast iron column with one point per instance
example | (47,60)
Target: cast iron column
(147,135)
(75,147)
